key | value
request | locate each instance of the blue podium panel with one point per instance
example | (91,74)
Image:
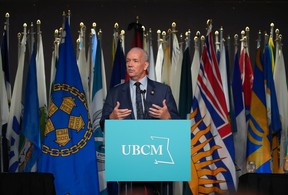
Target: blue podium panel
(147,150)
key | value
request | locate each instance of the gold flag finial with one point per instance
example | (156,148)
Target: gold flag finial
(55,33)
(7,15)
(116,26)
(271,29)
(122,33)
(247,29)
(173,25)
(94,25)
(209,22)
(38,22)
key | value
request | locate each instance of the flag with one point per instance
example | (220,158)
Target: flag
(54,59)
(247,78)
(195,66)
(159,63)
(98,97)
(176,66)
(137,40)
(31,147)
(274,122)
(151,68)
(5,61)
(15,115)
(240,134)
(282,97)
(259,137)
(41,83)
(82,62)
(212,147)
(4,105)
(6,94)
(68,148)
(119,67)
(185,94)
(223,73)
(166,67)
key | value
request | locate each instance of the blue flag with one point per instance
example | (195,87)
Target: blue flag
(97,103)
(258,142)
(119,67)
(68,147)
(31,120)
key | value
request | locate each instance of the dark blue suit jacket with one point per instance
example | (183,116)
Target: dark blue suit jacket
(156,93)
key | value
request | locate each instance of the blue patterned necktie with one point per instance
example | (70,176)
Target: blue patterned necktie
(139,105)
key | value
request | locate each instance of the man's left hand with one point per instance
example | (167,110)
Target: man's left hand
(160,112)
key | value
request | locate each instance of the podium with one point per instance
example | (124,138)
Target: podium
(147,151)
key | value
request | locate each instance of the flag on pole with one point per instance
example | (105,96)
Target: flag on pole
(15,115)
(274,122)
(259,137)
(151,68)
(82,61)
(282,97)
(68,149)
(7,94)
(195,66)
(185,96)
(166,67)
(31,148)
(98,97)
(4,105)
(247,78)
(176,66)
(54,59)
(240,134)
(119,67)
(5,60)
(41,83)
(159,63)
(137,40)
(212,147)
(223,73)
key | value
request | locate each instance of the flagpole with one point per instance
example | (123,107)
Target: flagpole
(217,43)
(158,38)
(247,31)
(259,39)
(272,30)
(235,43)
(7,16)
(122,38)
(202,44)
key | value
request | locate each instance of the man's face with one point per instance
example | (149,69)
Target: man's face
(136,65)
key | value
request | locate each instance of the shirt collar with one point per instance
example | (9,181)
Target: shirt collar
(143,82)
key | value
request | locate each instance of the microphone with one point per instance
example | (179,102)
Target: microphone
(143,91)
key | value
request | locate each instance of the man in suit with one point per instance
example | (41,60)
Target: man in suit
(157,99)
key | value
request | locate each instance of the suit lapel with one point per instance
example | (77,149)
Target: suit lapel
(126,99)
(150,95)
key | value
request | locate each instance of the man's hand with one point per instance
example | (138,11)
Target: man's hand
(119,113)
(159,112)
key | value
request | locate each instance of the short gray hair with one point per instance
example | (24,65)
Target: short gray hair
(145,54)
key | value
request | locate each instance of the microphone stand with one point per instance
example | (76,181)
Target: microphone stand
(145,103)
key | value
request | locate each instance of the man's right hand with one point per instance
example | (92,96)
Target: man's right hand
(119,113)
